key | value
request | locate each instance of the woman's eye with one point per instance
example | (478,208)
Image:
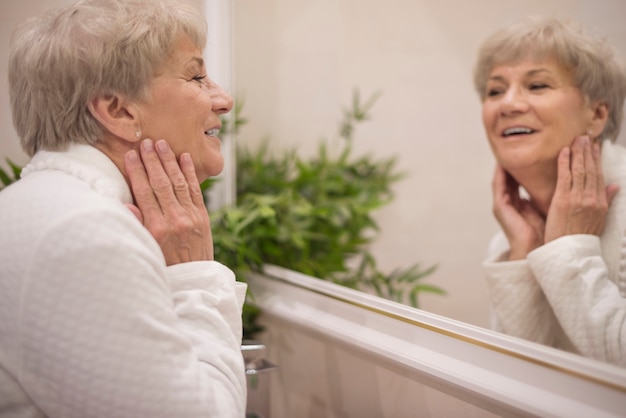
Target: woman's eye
(493,92)
(199,78)
(538,86)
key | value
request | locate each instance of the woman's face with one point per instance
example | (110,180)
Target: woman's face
(532,110)
(185,109)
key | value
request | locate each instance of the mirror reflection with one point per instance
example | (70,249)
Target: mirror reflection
(298,69)
(552,98)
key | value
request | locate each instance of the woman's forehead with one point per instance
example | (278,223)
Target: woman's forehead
(534,55)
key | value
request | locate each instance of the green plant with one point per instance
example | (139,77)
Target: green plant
(315,215)
(8,177)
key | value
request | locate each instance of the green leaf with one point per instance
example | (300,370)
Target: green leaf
(17,170)
(4,177)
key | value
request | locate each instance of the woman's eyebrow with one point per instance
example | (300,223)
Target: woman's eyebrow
(496,77)
(195,60)
(539,70)
(532,72)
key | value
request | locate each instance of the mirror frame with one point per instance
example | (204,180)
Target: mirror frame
(496,372)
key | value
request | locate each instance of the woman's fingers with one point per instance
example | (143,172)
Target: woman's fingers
(588,192)
(169,202)
(570,176)
(578,161)
(140,184)
(579,169)
(161,174)
(594,182)
(581,200)
(189,171)
(173,184)
(564,173)
(174,176)
(520,222)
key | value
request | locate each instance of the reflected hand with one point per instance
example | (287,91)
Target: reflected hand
(169,202)
(522,224)
(581,200)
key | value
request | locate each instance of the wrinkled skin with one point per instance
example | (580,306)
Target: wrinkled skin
(579,205)
(169,202)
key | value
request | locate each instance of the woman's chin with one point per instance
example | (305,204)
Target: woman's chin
(214,169)
(531,163)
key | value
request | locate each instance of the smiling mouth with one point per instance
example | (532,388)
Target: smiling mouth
(518,130)
(212,132)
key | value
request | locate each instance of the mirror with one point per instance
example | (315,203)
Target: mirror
(297,63)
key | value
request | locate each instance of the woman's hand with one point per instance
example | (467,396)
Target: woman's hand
(522,224)
(581,200)
(169,202)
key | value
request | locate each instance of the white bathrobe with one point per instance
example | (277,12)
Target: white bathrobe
(571,292)
(92,321)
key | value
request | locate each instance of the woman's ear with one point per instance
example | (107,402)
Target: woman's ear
(599,118)
(117,116)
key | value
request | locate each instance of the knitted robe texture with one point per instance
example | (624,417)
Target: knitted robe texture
(92,321)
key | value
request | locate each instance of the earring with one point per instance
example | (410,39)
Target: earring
(138,134)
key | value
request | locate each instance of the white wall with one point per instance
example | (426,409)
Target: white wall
(297,61)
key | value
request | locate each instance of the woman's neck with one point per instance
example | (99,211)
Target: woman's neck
(116,150)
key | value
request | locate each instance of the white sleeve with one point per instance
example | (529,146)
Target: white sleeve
(575,280)
(107,330)
(518,305)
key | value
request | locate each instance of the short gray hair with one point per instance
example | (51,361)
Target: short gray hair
(597,72)
(62,59)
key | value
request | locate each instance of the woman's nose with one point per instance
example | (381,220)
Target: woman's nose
(222,101)
(513,101)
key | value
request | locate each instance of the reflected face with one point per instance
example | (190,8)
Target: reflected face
(531,110)
(185,109)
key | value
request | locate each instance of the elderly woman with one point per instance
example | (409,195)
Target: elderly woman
(552,99)
(106,311)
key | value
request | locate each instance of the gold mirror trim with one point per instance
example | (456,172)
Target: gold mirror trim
(447,333)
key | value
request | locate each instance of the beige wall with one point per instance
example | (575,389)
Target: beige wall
(297,61)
